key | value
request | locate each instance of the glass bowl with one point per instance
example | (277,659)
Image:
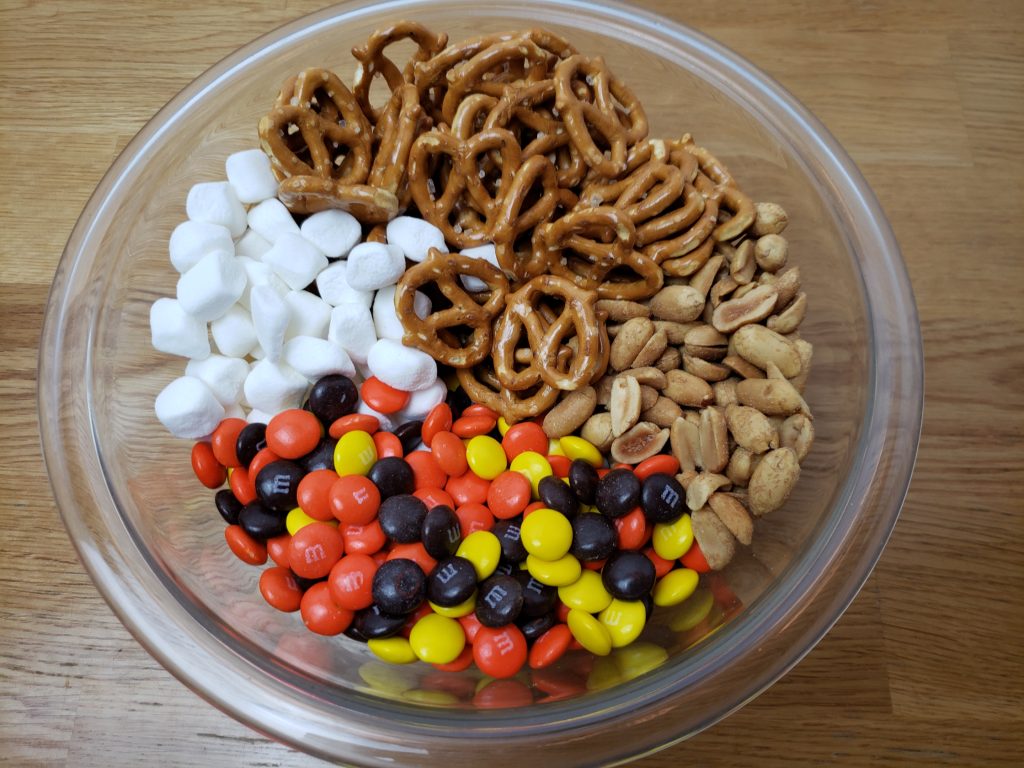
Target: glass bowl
(149,535)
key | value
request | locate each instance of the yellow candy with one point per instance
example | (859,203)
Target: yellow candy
(387,679)
(486,457)
(639,658)
(394,650)
(354,454)
(586,593)
(534,466)
(483,550)
(675,586)
(555,573)
(297,520)
(624,620)
(604,674)
(673,540)
(589,632)
(578,448)
(503,426)
(546,534)
(436,639)
(555,448)
(464,608)
(692,611)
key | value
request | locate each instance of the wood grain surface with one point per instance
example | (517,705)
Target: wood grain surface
(927,666)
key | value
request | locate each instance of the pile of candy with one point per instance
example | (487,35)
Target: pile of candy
(508,453)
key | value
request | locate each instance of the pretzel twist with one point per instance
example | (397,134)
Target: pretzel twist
(482,386)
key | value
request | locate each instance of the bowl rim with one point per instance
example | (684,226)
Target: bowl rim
(895,385)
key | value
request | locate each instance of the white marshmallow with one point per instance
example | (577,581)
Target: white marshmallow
(423,401)
(252,244)
(374,265)
(310,315)
(270,219)
(191,240)
(352,328)
(256,416)
(234,411)
(295,260)
(274,388)
(333,232)
(270,316)
(385,316)
(223,375)
(259,273)
(415,237)
(487,253)
(216,202)
(387,422)
(188,408)
(250,175)
(233,332)
(401,367)
(332,283)
(315,357)
(176,332)
(215,283)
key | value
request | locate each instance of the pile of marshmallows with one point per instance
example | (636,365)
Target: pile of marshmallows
(243,278)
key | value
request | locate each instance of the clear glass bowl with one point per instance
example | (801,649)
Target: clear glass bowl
(149,535)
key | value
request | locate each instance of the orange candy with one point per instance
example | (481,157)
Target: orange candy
(293,433)
(278,548)
(694,559)
(363,539)
(320,614)
(468,488)
(351,581)
(462,661)
(224,439)
(499,652)
(259,461)
(550,647)
(450,453)
(426,470)
(279,589)
(242,487)
(314,494)
(354,499)
(632,528)
(415,552)
(387,444)
(533,506)
(662,463)
(471,426)
(434,497)
(470,625)
(479,409)
(509,494)
(438,420)
(501,694)
(210,472)
(382,397)
(314,549)
(474,517)
(560,465)
(245,547)
(525,436)
(363,422)
(661,565)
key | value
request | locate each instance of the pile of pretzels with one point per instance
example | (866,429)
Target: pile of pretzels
(519,141)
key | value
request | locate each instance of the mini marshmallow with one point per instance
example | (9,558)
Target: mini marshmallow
(270,317)
(314,357)
(233,332)
(415,237)
(385,316)
(215,283)
(332,284)
(252,244)
(216,202)
(274,387)
(423,402)
(401,367)
(333,232)
(259,273)
(256,416)
(176,332)
(250,175)
(352,328)
(191,240)
(188,408)
(487,253)
(387,422)
(310,315)
(374,265)
(234,411)
(295,260)
(270,219)
(223,375)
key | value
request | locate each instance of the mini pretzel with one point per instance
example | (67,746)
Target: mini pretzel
(397,128)
(463,184)
(682,231)
(324,112)
(588,245)
(309,194)
(435,334)
(373,62)
(600,114)
(491,69)
(518,257)
(643,194)
(512,220)
(546,337)
(483,387)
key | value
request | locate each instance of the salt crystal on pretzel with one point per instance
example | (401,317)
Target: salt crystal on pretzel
(215,202)
(270,219)
(270,317)
(176,332)
(374,265)
(332,285)
(188,408)
(295,260)
(210,287)
(274,387)
(415,237)
(385,315)
(191,240)
(352,328)
(233,332)
(223,375)
(315,357)
(400,366)
(250,174)
(333,232)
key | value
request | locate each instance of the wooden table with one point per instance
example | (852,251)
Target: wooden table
(926,668)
